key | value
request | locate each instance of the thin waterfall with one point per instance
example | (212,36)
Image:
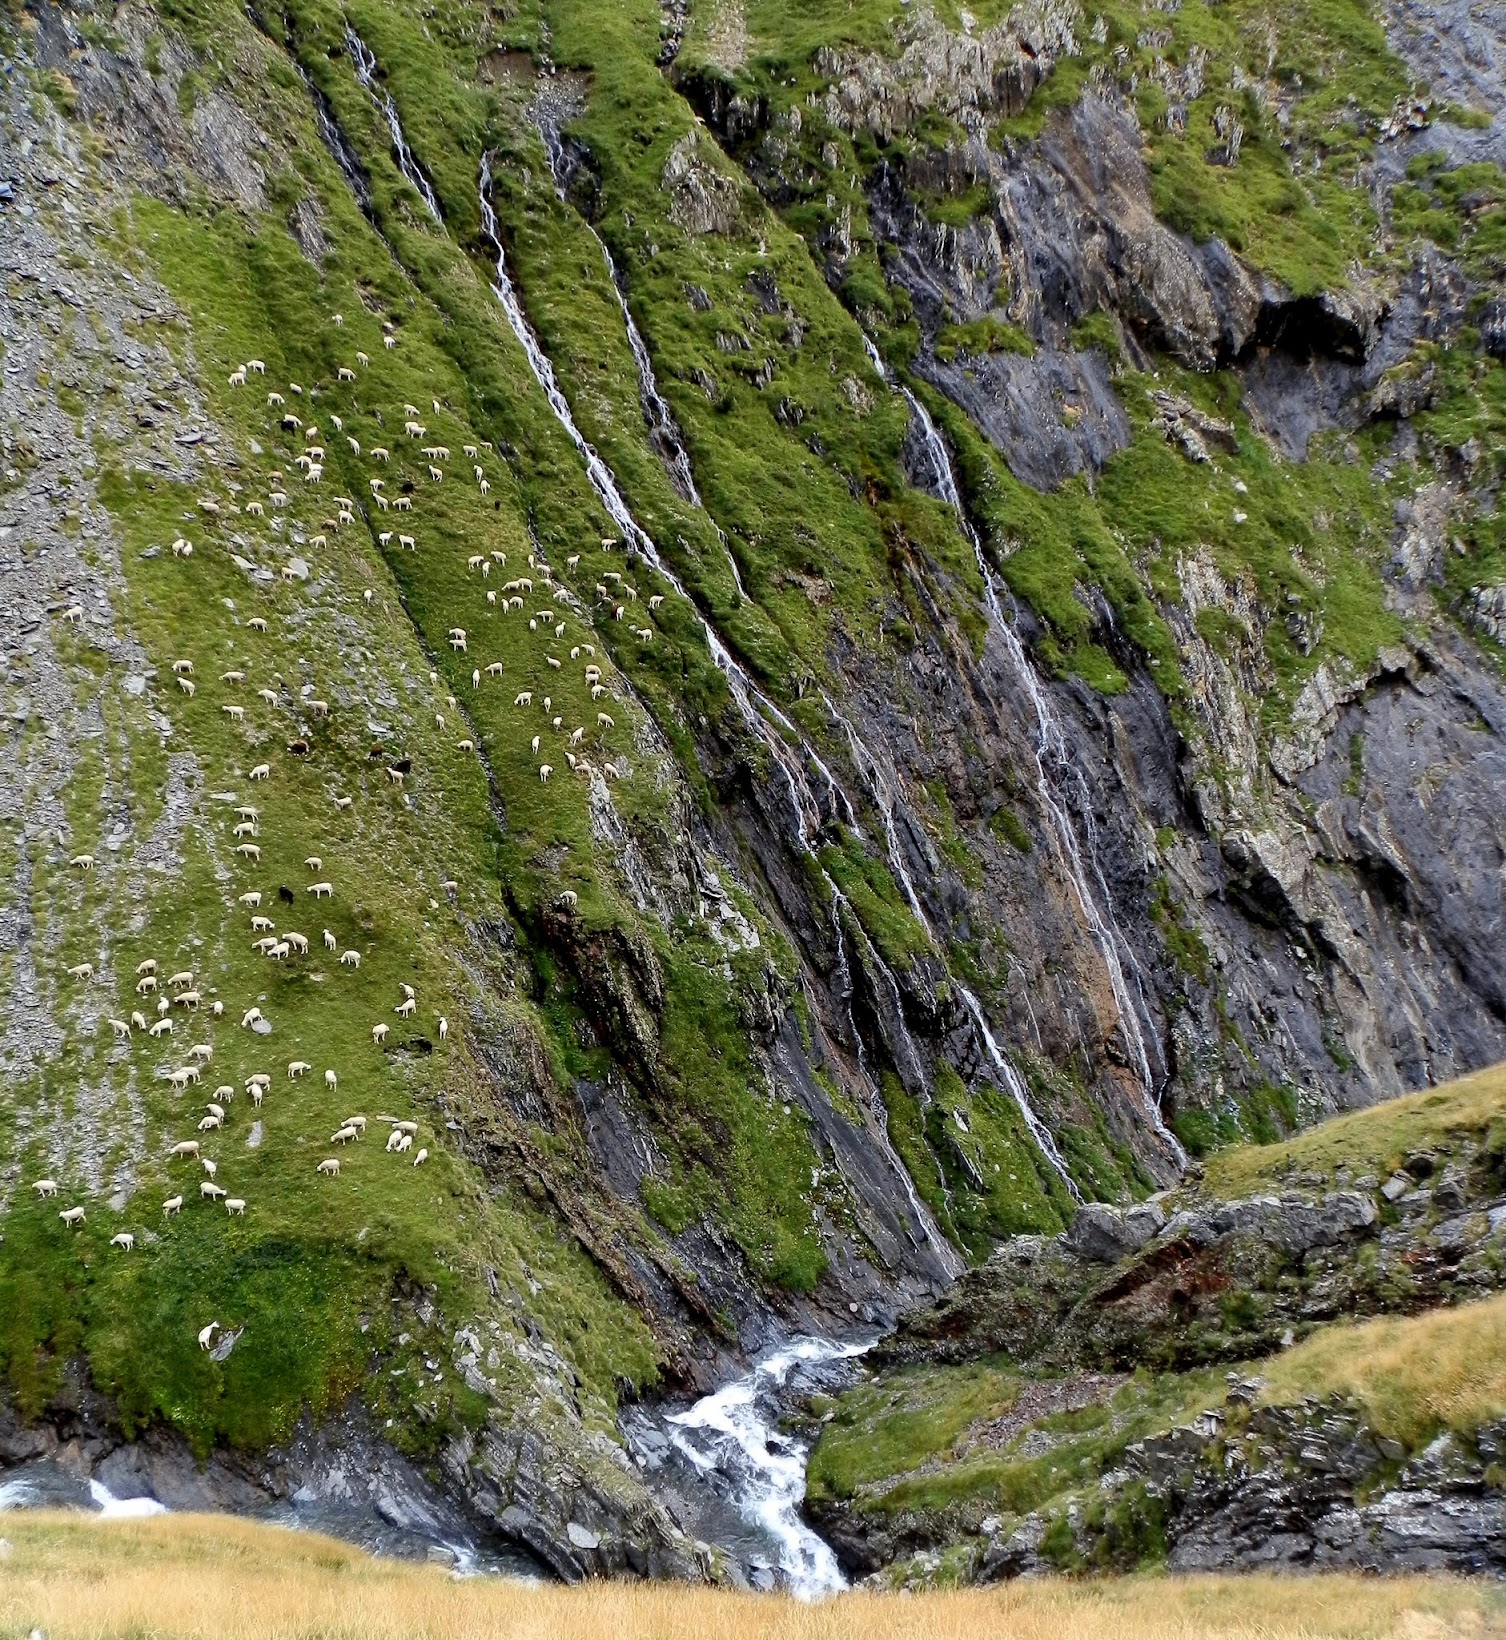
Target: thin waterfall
(661,420)
(753,705)
(365,63)
(1050,747)
(1014,1084)
(664,430)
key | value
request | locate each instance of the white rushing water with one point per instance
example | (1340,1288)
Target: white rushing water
(365,63)
(731,1434)
(1050,748)
(755,708)
(113,1508)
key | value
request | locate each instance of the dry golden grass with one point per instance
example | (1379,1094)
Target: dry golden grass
(1414,1374)
(226,1579)
(1375,1139)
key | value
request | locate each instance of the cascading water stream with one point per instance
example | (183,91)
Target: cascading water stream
(362,56)
(1014,1084)
(661,421)
(753,705)
(1050,746)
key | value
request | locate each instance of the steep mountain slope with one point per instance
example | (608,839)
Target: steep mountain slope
(889,621)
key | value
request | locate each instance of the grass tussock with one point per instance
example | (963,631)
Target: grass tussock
(1414,1375)
(1374,1140)
(195,1575)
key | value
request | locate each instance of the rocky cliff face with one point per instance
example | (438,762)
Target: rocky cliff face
(837,799)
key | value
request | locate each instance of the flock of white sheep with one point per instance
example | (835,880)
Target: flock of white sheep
(181,990)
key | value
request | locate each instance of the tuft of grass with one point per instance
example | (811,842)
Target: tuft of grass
(1414,1376)
(1373,1140)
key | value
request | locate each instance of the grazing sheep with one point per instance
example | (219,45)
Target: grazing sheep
(342,802)
(350,959)
(321,891)
(604,721)
(319,708)
(297,1067)
(330,1166)
(405,1008)
(379,1034)
(331,1081)
(46,1187)
(206,1336)
(173,1204)
(259,925)
(189,999)
(202,1052)
(72,1217)
(125,1241)
(214,1110)
(250,1017)
(225,1091)
(149,966)
(570,898)
(406,989)
(235,1205)
(258,1093)
(257,624)
(207,1124)
(186,685)
(545,770)
(395,1140)
(209,1192)
(217,1008)
(251,898)
(210,1168)
(81,970)
(343,1136)
(299,943)
(356,1122)
(183,977)
(138,1020)
(408,541)
(163,1027)
(261,771)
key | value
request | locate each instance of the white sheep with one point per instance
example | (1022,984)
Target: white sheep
(330,942)
(210,1168)
(379,1034)
(406,989)
(261,771)
(321,891)
(173,1204)
(298,942)
(207,1124)
(405,1008)
(356,1122)
(421,1158)
(46,1187)
(235,1205)
(206,1336)
(257,624)
(331,1081)
(250,1017)
(72,1217)
(210,1192)
(81,970)
(545,770)
(330,1166)
(444,1027)
(183,977)
(297,1067)
(138,1020)
(163,1027)
(350,959)
(343,1136)
(125,1241)
(259,925)
(251,898)
(202,1052)
(149,966)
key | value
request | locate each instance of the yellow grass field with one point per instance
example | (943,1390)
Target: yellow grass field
(225,1579)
